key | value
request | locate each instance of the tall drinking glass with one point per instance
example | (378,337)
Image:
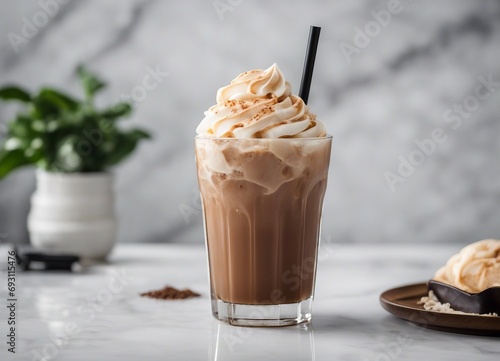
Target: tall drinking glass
(262,202)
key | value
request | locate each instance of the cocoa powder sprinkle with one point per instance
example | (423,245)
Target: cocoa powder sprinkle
(170,293)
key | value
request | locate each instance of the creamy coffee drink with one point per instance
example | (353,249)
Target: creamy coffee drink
(262,161)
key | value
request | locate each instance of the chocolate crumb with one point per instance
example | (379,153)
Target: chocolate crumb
(170,293)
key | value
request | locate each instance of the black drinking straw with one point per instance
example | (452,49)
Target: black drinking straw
(312,46)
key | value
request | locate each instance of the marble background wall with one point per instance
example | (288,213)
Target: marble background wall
(407,79)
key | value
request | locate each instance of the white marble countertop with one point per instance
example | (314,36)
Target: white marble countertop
(98,314)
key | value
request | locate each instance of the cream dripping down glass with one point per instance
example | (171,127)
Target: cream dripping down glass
(262,161)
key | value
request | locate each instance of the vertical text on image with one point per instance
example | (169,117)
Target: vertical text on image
(11,302)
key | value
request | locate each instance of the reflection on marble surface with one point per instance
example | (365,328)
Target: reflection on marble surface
(237,343)
(395,90)
(98,315)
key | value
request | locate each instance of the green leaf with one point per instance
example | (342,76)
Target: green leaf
(124,145)
(50,102)
(91,83)
(68,158)
(58,99)
(14,143)
(34,151)
(44,108)
(12,159)
(74,119)
(117,111)
(14,93)
(21,127)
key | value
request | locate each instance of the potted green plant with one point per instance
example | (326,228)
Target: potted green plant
(73,144)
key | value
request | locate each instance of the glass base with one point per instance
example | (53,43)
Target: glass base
(262,315)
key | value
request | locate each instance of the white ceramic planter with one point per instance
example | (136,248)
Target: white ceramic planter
(73,213)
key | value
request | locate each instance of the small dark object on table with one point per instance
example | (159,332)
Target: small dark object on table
(170,293)
(29,259)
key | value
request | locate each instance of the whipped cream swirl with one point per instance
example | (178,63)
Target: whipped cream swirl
(475,268)
(260,104)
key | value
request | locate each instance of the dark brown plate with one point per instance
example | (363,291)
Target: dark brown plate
(402,303)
